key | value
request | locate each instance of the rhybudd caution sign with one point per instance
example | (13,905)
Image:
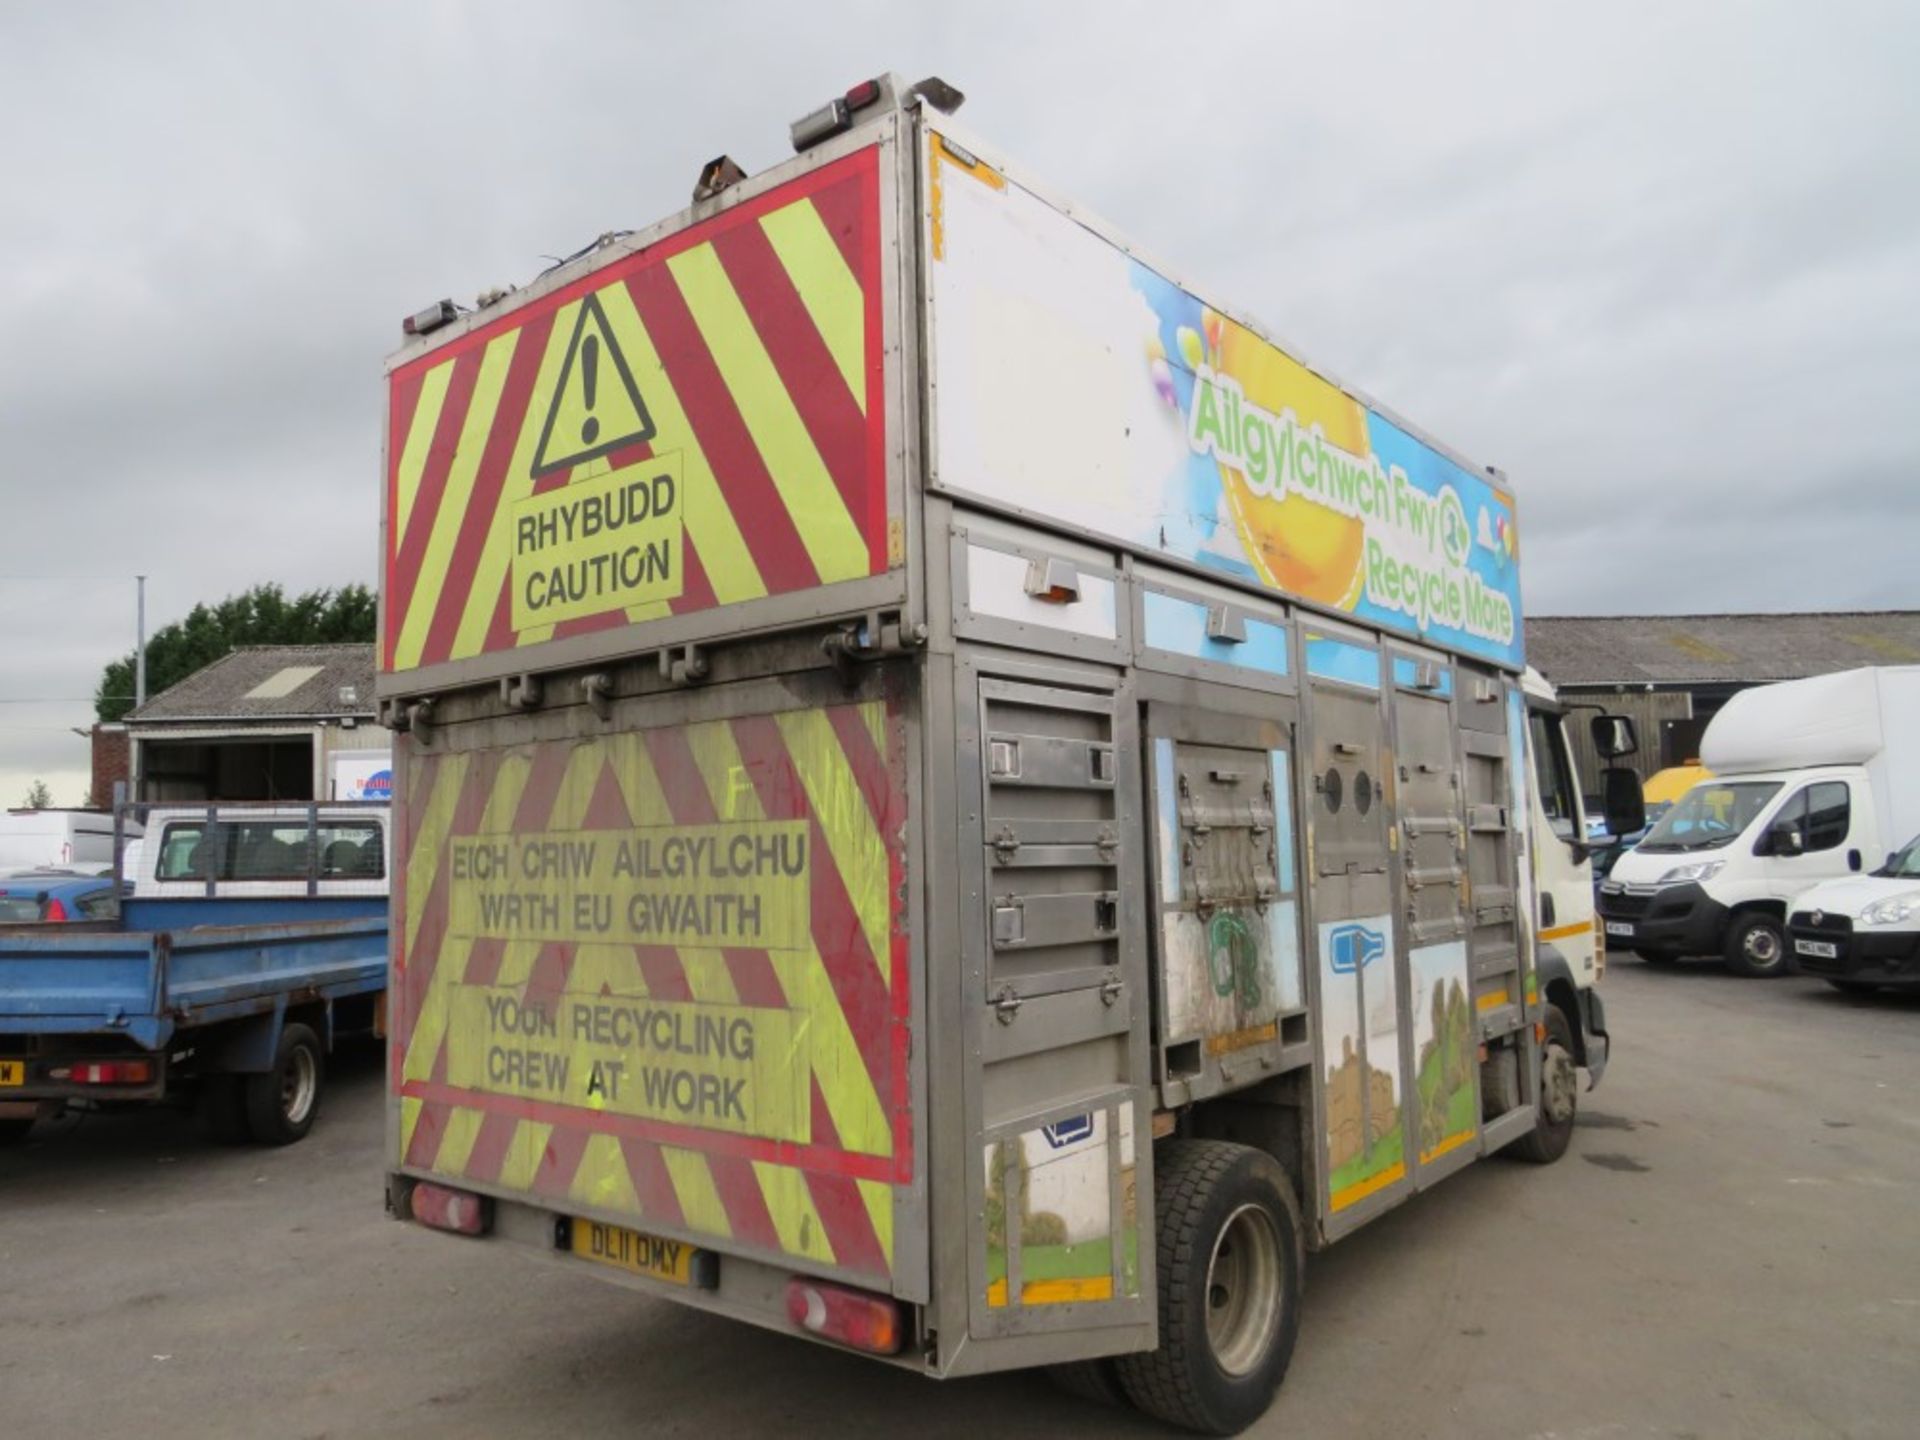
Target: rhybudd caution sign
(614,541)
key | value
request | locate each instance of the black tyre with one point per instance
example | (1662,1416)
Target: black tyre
(1658,957)
(221,1109)
(281,1104)
(1229,1254)
(1855,987)
(1757,948)
(1559,1095)
(14,1130)
(1092,1380)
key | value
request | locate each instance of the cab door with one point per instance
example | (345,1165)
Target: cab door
(1812,837)
(1563,885)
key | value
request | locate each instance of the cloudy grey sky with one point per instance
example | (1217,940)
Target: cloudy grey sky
(1659,262)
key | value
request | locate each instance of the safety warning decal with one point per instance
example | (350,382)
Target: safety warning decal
(586,428)
(615,541)
(694,424)
(660,977)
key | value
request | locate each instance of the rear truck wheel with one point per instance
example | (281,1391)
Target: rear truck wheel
(1855,987)
(221,1108)
(1228,1243)
(282,1102)
(1091,1380)
(1559,1094)
(1757,948)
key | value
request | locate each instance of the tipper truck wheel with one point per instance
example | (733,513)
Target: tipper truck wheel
(282,1102)
(1559,1095)
(1230,1259)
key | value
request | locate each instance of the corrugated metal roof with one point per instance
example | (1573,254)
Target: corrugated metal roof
(256,682)
(1677,651)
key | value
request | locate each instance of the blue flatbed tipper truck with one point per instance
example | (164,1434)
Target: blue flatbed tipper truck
(253,937)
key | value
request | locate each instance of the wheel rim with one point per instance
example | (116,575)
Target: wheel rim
(1243,1290)
(298,1085)
(1557,1083)
(1762,947)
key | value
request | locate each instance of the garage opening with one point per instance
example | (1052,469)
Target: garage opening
(276,767)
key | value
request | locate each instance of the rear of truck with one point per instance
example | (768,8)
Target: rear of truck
(951,796)
(654,1002)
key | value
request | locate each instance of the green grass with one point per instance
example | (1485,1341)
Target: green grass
(1386,1153)
(1064,1262)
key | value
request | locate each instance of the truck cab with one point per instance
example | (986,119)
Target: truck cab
(1570,955)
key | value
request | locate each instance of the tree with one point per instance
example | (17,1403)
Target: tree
(260,616)
(39,797)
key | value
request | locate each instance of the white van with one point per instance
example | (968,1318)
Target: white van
(1862,933)
(1812,780)
(61,839)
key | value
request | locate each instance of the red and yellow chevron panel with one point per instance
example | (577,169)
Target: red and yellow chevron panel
(662,977)
(693,425)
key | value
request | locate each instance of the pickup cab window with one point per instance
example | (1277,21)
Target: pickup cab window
(270,850)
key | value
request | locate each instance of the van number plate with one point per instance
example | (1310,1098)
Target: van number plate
(13,1072)
(674,1261)
(1825,949)
(1620,927)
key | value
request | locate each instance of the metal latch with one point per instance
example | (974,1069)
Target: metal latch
(1005,842)
(597,690)
(1111,991)
(1009,923)
(1006,1005)
(683,665)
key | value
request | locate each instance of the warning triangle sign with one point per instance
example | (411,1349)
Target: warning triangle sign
(596,407)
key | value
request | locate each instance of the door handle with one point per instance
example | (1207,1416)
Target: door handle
(1546,912)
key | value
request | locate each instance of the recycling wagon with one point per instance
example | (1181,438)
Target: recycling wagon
(943,781)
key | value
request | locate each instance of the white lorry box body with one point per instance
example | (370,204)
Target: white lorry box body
(62,839)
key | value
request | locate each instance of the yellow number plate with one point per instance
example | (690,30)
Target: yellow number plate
(13,1072)
(673,1261)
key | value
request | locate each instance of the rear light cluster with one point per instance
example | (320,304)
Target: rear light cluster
(104,1072)
(454,1210)
(57,911)
(852,1317)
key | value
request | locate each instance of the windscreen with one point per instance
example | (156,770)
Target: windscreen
(1906,864)
(1710,815)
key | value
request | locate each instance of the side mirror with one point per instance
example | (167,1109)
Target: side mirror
(1782,839)
(1625,805)
(1613,736)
